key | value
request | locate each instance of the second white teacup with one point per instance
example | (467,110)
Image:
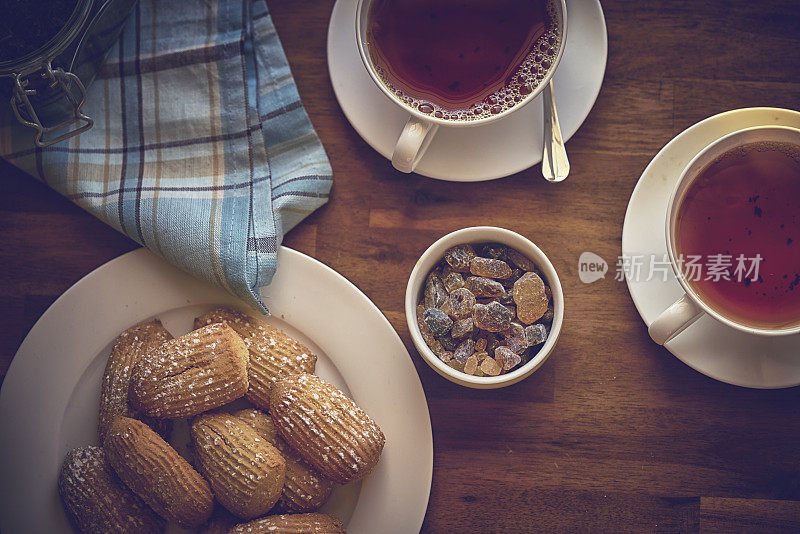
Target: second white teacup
(693,305)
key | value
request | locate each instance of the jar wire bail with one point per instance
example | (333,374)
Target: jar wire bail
(22,105)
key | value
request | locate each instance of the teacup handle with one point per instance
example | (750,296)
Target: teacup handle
(412,144)
(674,320)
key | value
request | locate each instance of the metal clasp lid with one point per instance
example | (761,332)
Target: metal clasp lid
(56,79)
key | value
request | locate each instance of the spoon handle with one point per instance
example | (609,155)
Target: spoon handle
(555,165)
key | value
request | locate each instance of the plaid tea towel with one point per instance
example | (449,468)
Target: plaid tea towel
(201,150)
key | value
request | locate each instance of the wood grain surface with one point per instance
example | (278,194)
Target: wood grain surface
(613,433)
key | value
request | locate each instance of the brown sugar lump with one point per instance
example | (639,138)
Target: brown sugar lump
(492,317)
(96,500)
(126,353)
(191,374)
(273,353)
(326,428)
(304,489)
(459,257)
(150,467)
(489,268)
(530,297)
(246,473)
(292,524)
(484,287)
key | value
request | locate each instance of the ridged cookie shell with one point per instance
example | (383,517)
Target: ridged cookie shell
(326,428)
(246,473)
(305,489)
(150,467)
(125,354)
(97,501)
(292,524)
(260,421)
(191,374)
(273,353)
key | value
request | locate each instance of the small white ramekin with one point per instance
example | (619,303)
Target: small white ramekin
(482,234)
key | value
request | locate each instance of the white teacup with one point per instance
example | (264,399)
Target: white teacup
(420,127)
(691,306)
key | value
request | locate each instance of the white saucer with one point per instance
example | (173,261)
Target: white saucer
(494,150)
(708,346)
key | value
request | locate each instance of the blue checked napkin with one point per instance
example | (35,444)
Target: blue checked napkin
(201,150)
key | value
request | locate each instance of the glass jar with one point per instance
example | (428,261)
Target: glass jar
(46,81)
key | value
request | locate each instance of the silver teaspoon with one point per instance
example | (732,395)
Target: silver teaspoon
(555,165)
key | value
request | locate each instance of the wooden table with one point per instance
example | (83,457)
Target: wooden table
(613,432)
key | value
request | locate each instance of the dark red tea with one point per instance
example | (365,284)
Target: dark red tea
(746,202)
(462,59)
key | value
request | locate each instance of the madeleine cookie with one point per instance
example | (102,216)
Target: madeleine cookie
(97,501)
(157,473)
(128,350)
(273,354)
(326,428)
(246,472)
(292,524)
(305,488)
(191,374)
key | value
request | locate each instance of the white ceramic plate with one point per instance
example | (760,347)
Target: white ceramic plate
(472,154)
(708,346)
(48,403)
